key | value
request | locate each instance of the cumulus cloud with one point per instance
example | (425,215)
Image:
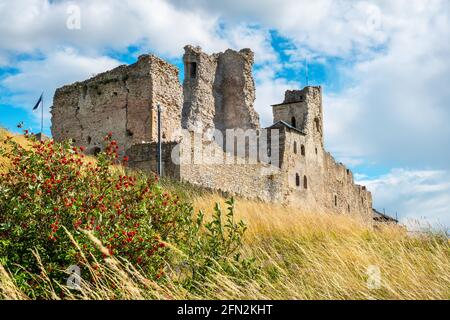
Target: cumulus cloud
(270,90)
(332,27)
(157,25)
(396,106)
(55,70)
(58,55)
(420,197)
(38,28)
(393,108)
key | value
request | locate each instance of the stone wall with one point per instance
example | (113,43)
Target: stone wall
(314,181)
(143,156)
(121,101)
(207,165)
(199,103)
(219,90)
(229,173)
(303,178)
(343,195)
(218,93)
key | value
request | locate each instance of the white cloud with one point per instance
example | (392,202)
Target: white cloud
(38,28)
(257,39)
(332,27)
(269,90)
(29,25)
(421,196)
(56,70)
(157,25)
(396,109)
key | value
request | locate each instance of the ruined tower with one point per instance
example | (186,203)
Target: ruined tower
(302,109)
(121,101)
(219,90)
(313,177)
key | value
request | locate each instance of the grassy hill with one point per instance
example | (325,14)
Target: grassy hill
(321,256)
(300,255)
(18,138)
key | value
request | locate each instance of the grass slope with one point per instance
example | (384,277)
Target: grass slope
(322,256)
(18,138)
(302,256)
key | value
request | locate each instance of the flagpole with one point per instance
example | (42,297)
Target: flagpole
(42,115)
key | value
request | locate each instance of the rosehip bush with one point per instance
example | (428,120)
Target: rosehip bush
(51,190)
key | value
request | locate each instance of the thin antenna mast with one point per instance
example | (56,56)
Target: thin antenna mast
(306,68)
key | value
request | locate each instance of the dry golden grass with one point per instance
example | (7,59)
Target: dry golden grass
(4,164)
(302,256)
(323,256)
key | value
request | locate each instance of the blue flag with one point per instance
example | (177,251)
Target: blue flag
(38,102)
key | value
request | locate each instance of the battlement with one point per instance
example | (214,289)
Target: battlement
(293,96)
(302,109)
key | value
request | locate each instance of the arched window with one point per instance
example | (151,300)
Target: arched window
(305,182)
(335,200)
(302,148)
(295,147)
(293,122)
(297,180)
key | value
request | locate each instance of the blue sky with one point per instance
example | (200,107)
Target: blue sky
(383,66)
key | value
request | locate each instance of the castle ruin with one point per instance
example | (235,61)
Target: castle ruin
(211,115)
(120,101)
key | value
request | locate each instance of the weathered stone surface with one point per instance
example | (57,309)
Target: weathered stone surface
(219,90)
(302,109)
(315,180)
(122,101)
(142,156)
(218,93)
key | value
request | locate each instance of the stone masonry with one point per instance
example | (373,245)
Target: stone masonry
(121,101)
(218,93)
(219,90)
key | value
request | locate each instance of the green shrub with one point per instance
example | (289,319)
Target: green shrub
(51,186)
(217,248)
